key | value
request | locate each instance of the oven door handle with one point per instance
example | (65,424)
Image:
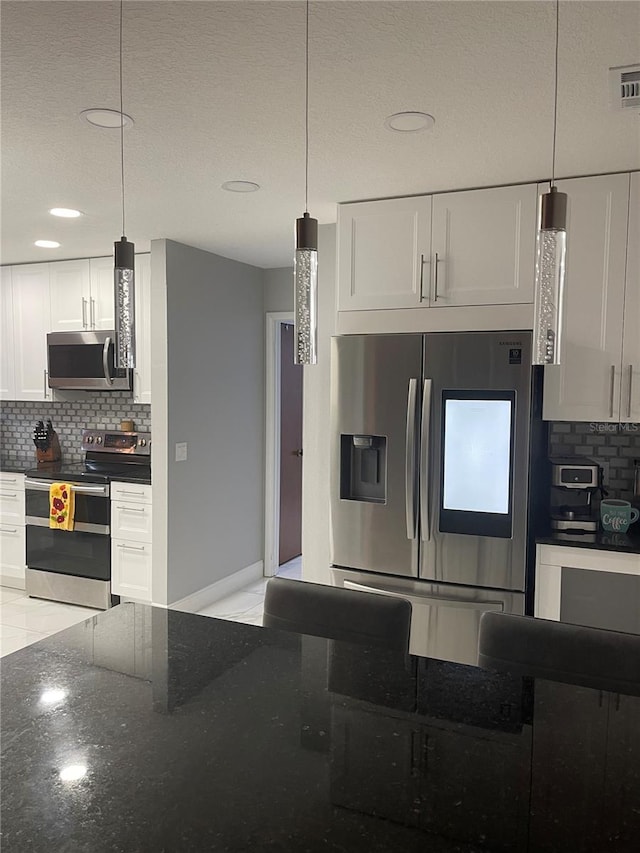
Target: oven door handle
(45,485)
(105,360)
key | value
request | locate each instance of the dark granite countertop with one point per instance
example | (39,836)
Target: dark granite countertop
(628,543)
(196,734)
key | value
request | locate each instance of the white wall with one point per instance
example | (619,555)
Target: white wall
(315,470)
(213,519)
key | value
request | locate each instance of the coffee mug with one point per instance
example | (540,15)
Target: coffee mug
(616,516)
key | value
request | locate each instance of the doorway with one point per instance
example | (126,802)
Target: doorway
(283,469)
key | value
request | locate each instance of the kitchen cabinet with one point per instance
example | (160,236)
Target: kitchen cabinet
(451,249)
(587,385)
(384,249)
(82,294)
(7,362)
(483,246)
(31,322)
(131,565)
(630,403)
(12,530)
(142,372)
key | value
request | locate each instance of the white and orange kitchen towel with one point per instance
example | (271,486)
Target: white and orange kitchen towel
(61,506)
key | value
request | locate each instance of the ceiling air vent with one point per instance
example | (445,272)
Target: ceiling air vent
(625,86)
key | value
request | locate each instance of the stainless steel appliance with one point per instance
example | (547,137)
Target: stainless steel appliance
(75,566)
(84,361)
(574,482)
(431,451)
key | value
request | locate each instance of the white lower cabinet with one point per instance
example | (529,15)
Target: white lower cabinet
(131,562)
(12,530)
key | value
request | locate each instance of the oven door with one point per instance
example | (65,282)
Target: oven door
(84,551)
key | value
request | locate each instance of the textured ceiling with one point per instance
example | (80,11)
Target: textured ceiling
(216,91)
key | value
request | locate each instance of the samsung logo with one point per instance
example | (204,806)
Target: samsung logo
(510,343)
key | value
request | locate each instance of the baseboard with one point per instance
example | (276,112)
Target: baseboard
(220,589)
(12,581)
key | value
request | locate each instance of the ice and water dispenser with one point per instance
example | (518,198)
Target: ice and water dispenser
(363,468)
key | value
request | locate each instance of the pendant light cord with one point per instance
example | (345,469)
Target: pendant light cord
(121,122)
(306,127)
(555,99)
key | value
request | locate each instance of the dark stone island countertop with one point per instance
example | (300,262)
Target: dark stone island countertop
(190,733)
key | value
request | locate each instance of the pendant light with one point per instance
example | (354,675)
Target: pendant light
(305,267)
(124,256)
(551,252)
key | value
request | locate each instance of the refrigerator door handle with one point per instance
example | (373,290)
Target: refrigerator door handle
(410,459)
(425,442)
(434,600)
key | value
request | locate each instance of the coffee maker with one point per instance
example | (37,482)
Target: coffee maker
(574,482)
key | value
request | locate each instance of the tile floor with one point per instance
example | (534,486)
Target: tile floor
(246,605)
(25,620)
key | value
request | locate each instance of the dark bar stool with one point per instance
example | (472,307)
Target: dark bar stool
(337,614)
(592,657)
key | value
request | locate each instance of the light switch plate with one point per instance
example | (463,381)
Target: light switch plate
(181,451)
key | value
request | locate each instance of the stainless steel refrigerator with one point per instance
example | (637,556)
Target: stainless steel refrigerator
(430,477)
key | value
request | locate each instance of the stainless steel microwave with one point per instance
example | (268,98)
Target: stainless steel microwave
(85,361)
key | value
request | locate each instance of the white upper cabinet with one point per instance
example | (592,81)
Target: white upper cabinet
(70,290)
(7,362)
(383,253)
(142,372)
(102,304)
(586,385)
(630,403)
(31,322)
(483,246)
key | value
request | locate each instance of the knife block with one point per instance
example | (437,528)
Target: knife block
(52,453)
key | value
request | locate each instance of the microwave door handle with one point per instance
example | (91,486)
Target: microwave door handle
(410,459)
(425,442)
(434,600)
(105,360)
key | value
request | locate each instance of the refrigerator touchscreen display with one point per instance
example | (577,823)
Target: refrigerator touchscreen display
(477,449)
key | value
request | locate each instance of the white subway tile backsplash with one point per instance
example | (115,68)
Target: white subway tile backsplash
(100,410)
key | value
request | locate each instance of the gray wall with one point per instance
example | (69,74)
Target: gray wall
(315,472)
(278,289)
(215,381)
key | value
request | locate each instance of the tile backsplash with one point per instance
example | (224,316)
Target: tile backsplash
(93,410)
(613,446)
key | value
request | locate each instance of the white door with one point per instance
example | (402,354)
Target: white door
(483,246)
(70,293)
(102,309)
(7,368)
(630,406)
(383,253)
(142,372)
(32,321)
(586,385)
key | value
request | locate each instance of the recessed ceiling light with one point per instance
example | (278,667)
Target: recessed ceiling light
(47,244)
(241,186)
(409,122)
(106,118)
(65,212)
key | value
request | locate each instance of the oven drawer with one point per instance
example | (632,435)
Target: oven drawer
(131,492)
(131,521)
(65,552)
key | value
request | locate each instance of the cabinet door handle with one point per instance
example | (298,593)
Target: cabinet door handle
(611,390)
(421,278)
(132,508)
(84,313)
(8,529)
(130,547)
(93,313)
(46,396)
(630,391)
(129,492)
(435,277)
(8,495)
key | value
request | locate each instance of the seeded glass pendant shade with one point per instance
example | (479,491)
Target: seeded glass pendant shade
(125,308)
(551,250)
(305,274)
(124,278)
